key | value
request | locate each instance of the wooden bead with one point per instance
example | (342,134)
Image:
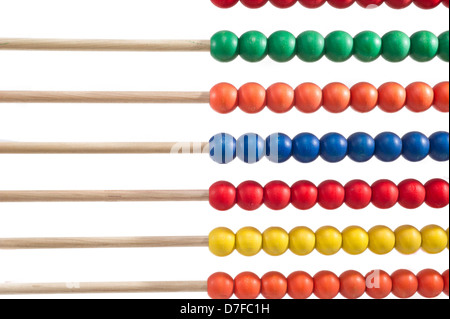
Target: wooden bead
(355,240)
(341,4)
(275,241)
(364,97)
(300,285)
(336,97)
(358,194)
(404,284)
(367,46)
(333,147)
(384,194)
(222,242)
(430,283)
(222,195)
(273,285)
(220,286)
(331,194)
(302,241)
(441,99)
(408,239)
(281,46)
(361,147)
(370,3)
(222,148)
(328,240)
(396,46)
(304,195)
(312,4)
(411,194)
(424,46)
(277,195)
(305,147)
(352,284)
(381,240)
(308,97)
(439,150)
(419,97)
(416,146)
(427,4)
(283,3)
(223,98)
(254,4)
(224,3)
(391,97)
(437,193)
(338,46)
(434,239)
(378,284)
(445,274)
(224,46)
(388,146)
(310,46)
(278,148)
(248,241)
(326,285)
(398,4)
(250,148)
(443,51)
(247,285)
(253,46)
(252,98)
(249,195)
(280,98)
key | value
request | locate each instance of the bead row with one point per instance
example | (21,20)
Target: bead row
(328,240)
(332,147)
(326,285)
(338,46)
(339,4)
(336,97)
(356,194)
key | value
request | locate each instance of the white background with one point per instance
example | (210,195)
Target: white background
(181,19)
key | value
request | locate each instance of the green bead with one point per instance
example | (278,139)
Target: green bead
(424,46)
(281,46)
(367,46)
(253,46)
(224,46)
(396,46)
(338,46)
(310,46)
(443,46)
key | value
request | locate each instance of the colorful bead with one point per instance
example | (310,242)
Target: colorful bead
(341,4)
(404,283)
(254,4)
(273,285)
(326,285)
(302,241)
(280,98)
(312,4)
(331,195)
(381,240)
(352,284)
(364,97)
(224,46)
(253,46)
(367,46)
(424,46)
(224,3)
(446,3)
(222,242)
(223,98)
(434,239)
(308,97)
(304,195)
(278,147)
(247,285)
(282,46)
(430,283)
(398,4)
(338,46)
(305,147)
(437,193)
(250,148)
(378,284)
(248,241)
(252,98)
(358,194)
(408,239)
(277,195)
(220,286)
(355,240)
(249,195)
(336,97)
(361,147)
(310,46)
(388,147)
(300,285)
(396,46)
(411,194)
(441,97)
(419,97)
(275,241)
(443,52)
(328,240)
(282,4)
(416,146)
(333,147)
(391,97)
(370,3)
(427,4)
(222,195)
(384,194)
(439,146)
(222,148)
(445,277)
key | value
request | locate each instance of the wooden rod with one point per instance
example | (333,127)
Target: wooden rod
(102,97)
(102,287)
(104,148)
(103,45)
(103,242)
(105,196)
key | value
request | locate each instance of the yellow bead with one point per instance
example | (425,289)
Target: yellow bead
(381,240)
(408,239)
(328,240)
(222,242)
(302,241)
(355,240)
(248,241)
(434,239)
(275,241)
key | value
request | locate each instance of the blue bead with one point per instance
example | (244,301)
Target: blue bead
(388,147)
(439,146)
(250,148)
(361,147)
(333,147)
(278,147)
(222,148)
(305,147)
(416,146)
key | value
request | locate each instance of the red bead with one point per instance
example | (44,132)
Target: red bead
(358,194)
(224,3)
(437,193)
(427,4)
(277,195)
(341,4)
(254,4)
(300,285)
(283,3)
(378,284)
(445,2)
(353,284)
(247,286)
(273,285)
(304,195)
(398,4)
(404,283)
(370,3)
(411,194)
(431,283)
(220,286)
(312,4)
(384,194)
(331,195)
(222,195)
(326,285)
(250,195)
(445,277)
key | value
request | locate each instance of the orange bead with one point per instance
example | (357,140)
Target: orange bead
(378,284)
(252,98)
(404,283)
(220,286)
(431,283)
(308,97)
(445,277)
(247,286)
(280,98)
(353,284)
(419,97)
(326,285)
(391,97)
(300,285)
(223,98)
(364,97)
(273,285)
(441,97)
(336,97)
